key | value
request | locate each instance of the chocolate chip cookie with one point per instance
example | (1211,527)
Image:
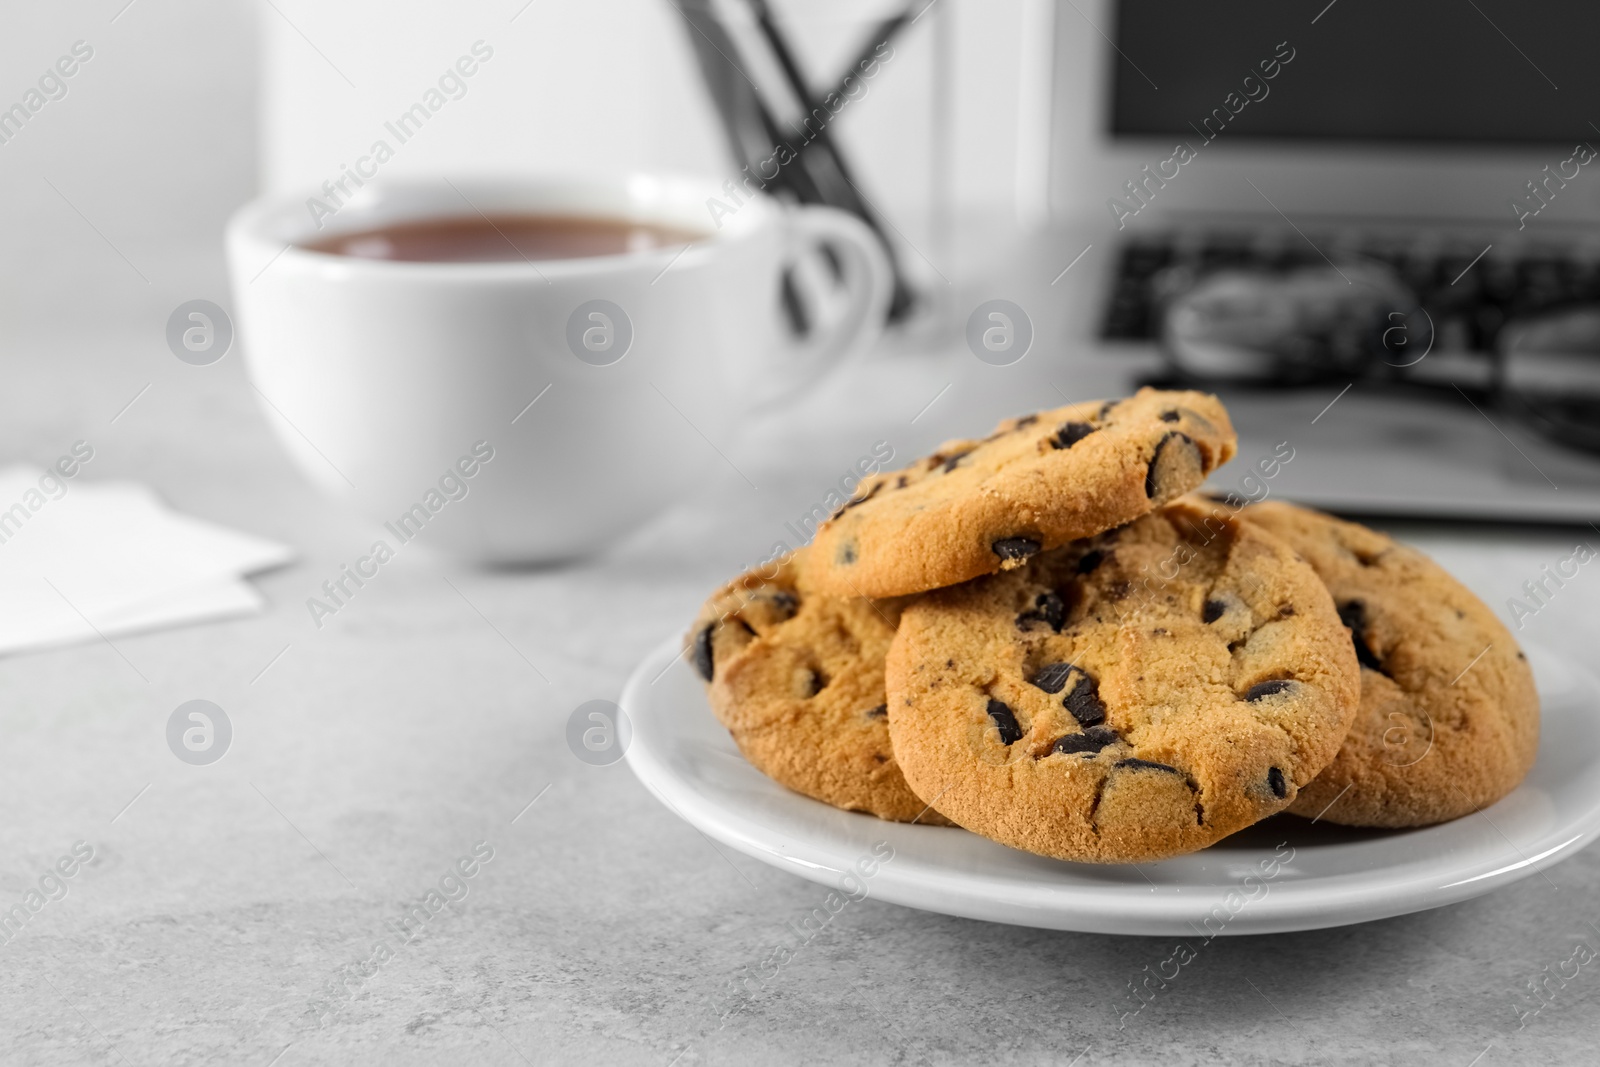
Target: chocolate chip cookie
(1449,717)
(977,507)
(797,678)
(1127,697)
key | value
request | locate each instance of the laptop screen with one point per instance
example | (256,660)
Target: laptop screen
(1479,71)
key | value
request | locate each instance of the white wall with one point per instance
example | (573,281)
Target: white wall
(607,85)
(151,147)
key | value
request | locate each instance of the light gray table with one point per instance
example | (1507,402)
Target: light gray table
(227,902)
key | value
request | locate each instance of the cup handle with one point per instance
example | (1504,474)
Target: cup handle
(867,282)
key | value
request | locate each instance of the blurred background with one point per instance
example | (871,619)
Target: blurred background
(115,195)
(1020,149)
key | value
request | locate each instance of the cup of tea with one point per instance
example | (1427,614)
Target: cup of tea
(523,370)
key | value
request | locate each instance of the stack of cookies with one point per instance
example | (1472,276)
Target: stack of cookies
(1047,638)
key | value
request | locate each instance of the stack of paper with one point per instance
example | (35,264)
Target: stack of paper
(81,560)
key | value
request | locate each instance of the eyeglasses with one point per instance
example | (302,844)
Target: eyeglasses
(1359,318)
(1547,369)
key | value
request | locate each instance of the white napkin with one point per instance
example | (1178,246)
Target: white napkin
(108,558)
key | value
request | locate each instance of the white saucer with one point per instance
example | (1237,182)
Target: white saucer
(1282,874)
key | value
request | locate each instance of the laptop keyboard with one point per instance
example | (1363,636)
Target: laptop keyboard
(1469,301)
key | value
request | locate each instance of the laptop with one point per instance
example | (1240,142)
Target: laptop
(1454,145)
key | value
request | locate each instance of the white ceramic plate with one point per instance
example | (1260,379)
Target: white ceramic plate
(1282,874)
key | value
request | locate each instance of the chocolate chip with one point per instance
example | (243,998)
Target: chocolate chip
(1006,720)
(1090,560)
(1052,677)
(786,603)
(702,652)
(1025,421)
(1213,610)
(1275,782)
(953,461)
(1170,416)
(1354,615)
(1091,740)
(1105,409)
(1268,688)
(1070,433)
(1049,609)
(1053,608)
(1145,765)
(1083,700)
(1167,454)
(857,501)
(879,712)
(901,482)
(847,553)
(1015,547)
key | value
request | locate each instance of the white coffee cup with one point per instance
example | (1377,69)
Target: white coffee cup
(388,381)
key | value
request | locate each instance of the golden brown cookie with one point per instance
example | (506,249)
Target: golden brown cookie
(1127,697)
(797,678)
(977,507)
(1449,718)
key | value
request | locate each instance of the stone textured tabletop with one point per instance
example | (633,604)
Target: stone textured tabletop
(232,913)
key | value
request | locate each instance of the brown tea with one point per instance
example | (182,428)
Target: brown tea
(504,238)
